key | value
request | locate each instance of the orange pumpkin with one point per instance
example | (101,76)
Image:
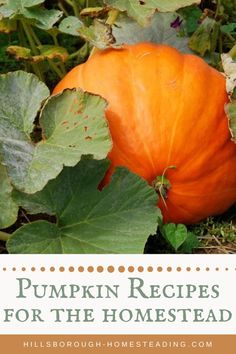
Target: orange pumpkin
(166,109)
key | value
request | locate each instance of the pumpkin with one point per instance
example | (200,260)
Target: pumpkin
(168,125)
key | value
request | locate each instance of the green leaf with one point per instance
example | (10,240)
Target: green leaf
(73,124)
(71,25)
(117,219)
(42,17)
(230,110)
(204,39)
(175,234)
(229,28)
(13,7)
(8,207)
(17,6)
(189,244)
(98,34)
(159,30)
(36,237)
(20,100)
(170,5)
(141,11)
(191,17)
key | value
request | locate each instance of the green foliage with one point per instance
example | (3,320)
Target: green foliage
(142,11)
(114,220)
(41,17)
(40,135)
(99,34)
(73,124)
(8,207)
(229,28)
(204,39)
(71,25)
(191,17)
(179,237)
(159,30)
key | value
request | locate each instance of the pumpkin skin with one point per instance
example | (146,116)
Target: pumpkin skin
(166,108)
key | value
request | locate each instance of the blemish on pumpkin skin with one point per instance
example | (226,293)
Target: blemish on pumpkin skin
(88,138)
(85,128)
(72,146)
(65,122)
(86,117)
(140,56)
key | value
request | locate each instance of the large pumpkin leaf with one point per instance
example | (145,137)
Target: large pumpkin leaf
(141,11)
(13,7)
(117,219)
(42,17)
(8,207)
(170,5)
(73,124)
(126,30)
(20,100)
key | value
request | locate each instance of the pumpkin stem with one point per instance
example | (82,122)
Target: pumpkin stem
(161,184)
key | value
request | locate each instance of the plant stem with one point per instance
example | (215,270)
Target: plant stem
(93,51)
(29,37)
(220,43)
(78,52)
(218,8)
(231,38)
(21,35)
(61,64)
(52,65)
(34,49)
(69,2)
(22,42)
(4,236)
(55,68)
(62,8)
(34,36)
(75,7)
